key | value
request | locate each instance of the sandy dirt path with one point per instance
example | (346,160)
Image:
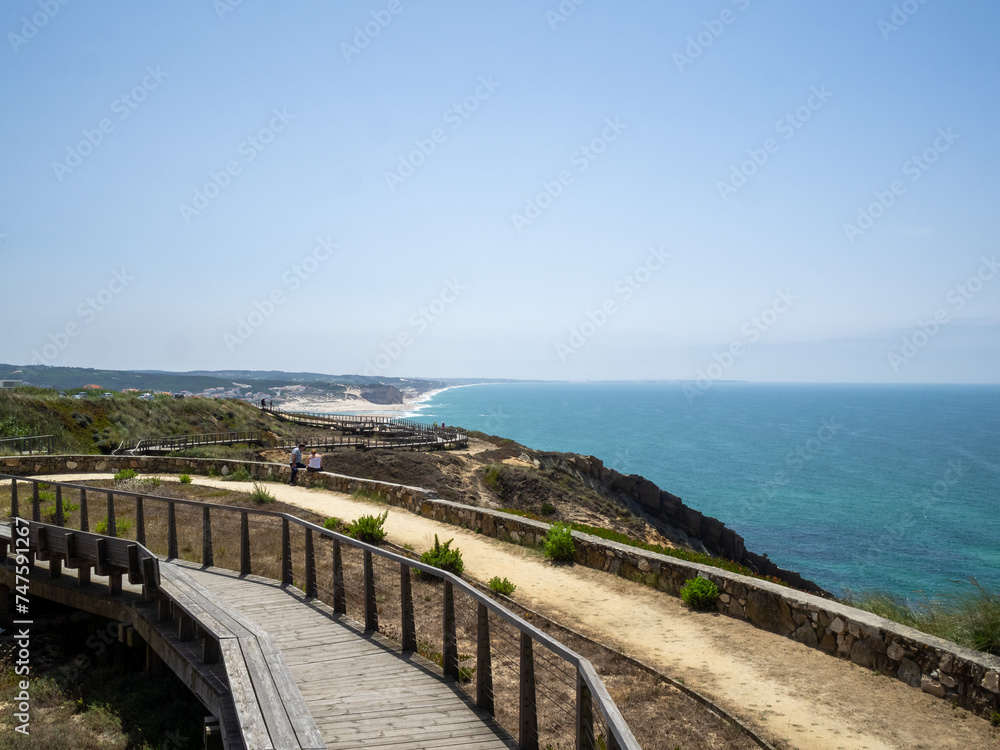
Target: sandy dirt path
(797,696)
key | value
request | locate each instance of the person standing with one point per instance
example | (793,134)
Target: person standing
(297,460)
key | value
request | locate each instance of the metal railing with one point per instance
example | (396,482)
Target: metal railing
(30,445)
(537,689)
(181,442)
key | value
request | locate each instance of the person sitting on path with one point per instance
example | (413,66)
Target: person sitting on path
(297,460)
(315,461)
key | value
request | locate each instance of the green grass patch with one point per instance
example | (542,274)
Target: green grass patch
(260,494)
(502,586)
(366,493)
(240,474)
(184,479)
(122,527)
(969,615)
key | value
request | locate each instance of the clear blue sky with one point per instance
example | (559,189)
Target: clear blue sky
(362,208)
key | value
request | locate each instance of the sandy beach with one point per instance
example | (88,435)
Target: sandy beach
(356,404)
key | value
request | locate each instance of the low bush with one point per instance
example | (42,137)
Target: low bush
(548,509)
(502,586)
(125,474)
(700,593)
(241,474)
(442,556)
(559,544)
(492,476)
(260,494)
(331,524)
(368,528)
(122,527)
(184,479)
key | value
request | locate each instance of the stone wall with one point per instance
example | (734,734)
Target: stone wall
(967,678)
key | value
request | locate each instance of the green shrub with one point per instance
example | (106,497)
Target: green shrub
(995,718)
(502,586)
(492,476)
(122,527)
(700,593)
(548,509)
(126,474)
(184,479)
(368,528)
(559,544)
(331,524)
(241,474)
(260,494)
(442,556)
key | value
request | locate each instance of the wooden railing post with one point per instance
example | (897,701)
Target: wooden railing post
(36,511)
(244,543)
(339,594)
(286,553)
(406,604)
(140,522)
(59,506)
(484,660)
(206,537)
(450,641)
(15,511)
(112,529)
(371,607)
(528,714)
(584,715)
(84,513)
(310,589)
(171,531)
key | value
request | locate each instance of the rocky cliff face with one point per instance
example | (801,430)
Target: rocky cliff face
(670,516)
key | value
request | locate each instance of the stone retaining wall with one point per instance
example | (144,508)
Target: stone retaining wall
(968,678)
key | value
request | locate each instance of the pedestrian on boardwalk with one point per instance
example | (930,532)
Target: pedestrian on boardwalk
(315,461)
(297,460)
(263,403)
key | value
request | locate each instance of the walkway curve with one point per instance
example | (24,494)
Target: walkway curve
(797,696)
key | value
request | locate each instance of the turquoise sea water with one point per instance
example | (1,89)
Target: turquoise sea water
(854,486)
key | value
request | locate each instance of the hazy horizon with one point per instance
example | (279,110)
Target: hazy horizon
(568,191)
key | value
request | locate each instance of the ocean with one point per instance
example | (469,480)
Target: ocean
(857,487)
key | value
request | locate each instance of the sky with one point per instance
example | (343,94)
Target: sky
(734,189)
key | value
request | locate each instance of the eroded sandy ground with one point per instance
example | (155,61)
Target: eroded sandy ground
(797,696)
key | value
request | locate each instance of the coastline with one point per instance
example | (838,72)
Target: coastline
(409,408)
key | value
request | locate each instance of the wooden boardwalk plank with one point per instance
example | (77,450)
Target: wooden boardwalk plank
(361,691)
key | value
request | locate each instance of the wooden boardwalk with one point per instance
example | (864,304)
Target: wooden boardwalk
(360,689)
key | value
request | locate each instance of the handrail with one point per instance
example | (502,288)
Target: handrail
(171,442)
(46,442)
(590,688)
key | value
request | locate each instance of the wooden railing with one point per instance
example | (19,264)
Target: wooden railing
(182,442)
(250,656)
(538,690)
(31,444)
